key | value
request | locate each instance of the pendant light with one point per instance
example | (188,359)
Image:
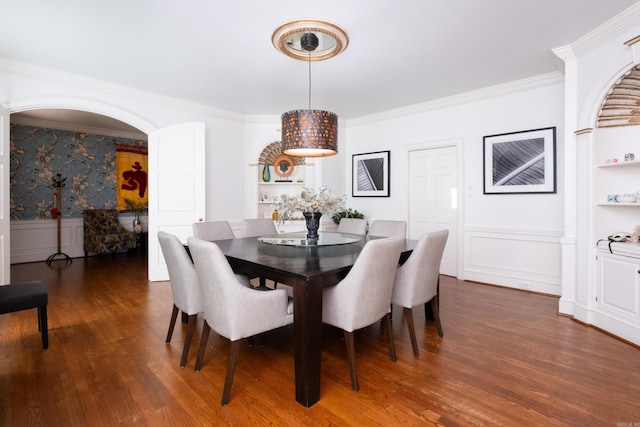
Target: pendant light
(309,133)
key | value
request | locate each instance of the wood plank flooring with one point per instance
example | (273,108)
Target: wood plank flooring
(506,359)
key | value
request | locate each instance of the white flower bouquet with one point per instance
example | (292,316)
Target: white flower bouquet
(323,201)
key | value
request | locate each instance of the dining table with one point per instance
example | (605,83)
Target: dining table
(308,266)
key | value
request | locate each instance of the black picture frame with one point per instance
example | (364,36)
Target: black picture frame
(521,162)
(370,174)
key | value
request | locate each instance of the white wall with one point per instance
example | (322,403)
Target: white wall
(28,87)
(504,235)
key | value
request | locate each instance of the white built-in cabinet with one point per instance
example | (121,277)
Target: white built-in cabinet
(616,305)
(618,286)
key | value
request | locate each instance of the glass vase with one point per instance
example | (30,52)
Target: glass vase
(266,175)
(137,225)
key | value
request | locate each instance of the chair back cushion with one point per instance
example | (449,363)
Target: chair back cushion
(212,230)
(255,227)
(182,274)
(417,279)
(364,295)
(353,226)
(387,228)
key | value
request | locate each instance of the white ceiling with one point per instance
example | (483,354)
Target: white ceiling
(219,53)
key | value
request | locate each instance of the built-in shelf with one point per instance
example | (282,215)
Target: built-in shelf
(634,204)
(620,164)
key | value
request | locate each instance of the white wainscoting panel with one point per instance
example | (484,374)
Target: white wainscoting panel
(36,240)
(515,258)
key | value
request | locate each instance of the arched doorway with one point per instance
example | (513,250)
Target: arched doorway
(56,107)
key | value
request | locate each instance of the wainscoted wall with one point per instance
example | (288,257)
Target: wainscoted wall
(515,258)
(35,240)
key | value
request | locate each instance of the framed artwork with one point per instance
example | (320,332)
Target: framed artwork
(370,174)
(520,162)
(265,197)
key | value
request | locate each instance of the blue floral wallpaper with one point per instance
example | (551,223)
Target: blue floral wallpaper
(86,162)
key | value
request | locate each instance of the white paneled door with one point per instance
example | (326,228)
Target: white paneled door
(176,187)
(5,225)
(433,199)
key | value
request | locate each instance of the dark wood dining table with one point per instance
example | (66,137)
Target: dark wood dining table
(307,270)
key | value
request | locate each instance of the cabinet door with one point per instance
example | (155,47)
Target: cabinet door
(619,285)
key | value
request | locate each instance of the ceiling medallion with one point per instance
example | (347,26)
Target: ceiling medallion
(332,40)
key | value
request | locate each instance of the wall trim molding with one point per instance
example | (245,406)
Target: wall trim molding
(530,83)
(489,258)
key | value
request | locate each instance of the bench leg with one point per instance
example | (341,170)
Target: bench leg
(42,326)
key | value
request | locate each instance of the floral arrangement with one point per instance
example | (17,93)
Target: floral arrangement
(323,201)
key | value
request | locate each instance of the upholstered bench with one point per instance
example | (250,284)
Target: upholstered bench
(23,296)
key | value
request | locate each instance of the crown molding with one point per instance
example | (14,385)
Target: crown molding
(477,95)
(607,31)
(112,89)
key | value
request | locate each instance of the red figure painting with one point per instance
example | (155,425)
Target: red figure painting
(135,179)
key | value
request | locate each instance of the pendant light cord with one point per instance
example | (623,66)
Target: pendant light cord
(309,108)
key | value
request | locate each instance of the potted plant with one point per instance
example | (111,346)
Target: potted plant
(349,213)
(137,207)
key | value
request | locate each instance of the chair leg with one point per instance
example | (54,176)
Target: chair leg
(231,368)
(203,344)
(43,327)
(191,325)
(436,314)
(172,324)
(428,311)
(351,358)
(408,315)
(392,349)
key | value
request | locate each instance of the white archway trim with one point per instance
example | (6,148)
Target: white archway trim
(71,103)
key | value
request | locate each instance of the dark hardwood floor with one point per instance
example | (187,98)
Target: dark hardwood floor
(506,358)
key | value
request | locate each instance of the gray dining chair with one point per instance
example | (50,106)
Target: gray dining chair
(231,309)
(353,226)
(417,280)
(388,228)
(256,227)
(184,287)
(212,230)
(351,305)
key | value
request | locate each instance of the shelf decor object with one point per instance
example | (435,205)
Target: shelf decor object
(309,133)
(266,175)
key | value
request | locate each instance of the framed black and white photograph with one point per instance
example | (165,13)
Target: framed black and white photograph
(371,174)
(520,162)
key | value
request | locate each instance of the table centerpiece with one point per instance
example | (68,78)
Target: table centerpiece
(313,205)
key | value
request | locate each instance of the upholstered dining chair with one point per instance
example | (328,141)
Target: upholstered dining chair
(256,227)
(417,280)
(212,230)
(387,228)
(231,309)
(351,304)
(353,226)
(184,288)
